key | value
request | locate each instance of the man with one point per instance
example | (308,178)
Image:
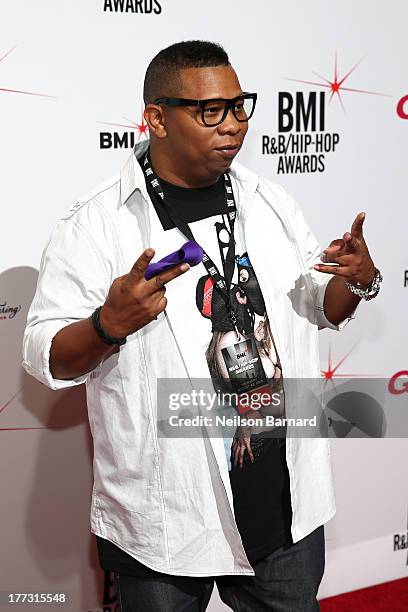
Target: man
(169,515)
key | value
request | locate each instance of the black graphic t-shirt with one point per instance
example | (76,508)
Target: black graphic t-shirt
(260,488)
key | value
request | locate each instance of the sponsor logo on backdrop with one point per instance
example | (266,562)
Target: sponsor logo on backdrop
(400,541)
(125,139)
(110,602)
(353,409)
(20,91)
(8,311)
(402,107)
(302,142)
(398,383)
(146,7)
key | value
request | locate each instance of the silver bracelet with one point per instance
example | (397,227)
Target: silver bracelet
(371,291)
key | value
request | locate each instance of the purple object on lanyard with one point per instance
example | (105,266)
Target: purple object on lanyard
(190,252)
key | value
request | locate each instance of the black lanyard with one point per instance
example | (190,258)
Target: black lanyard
(222,282)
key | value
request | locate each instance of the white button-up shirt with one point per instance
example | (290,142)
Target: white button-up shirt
(167,502)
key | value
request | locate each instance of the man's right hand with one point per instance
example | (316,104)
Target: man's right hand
(133,301)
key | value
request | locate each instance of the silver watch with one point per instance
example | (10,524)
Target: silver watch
(371,291)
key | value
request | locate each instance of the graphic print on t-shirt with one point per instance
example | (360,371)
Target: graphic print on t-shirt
(202,342)
(247,365)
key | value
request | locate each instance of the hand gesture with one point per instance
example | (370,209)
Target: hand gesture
(132,301)
(351,254)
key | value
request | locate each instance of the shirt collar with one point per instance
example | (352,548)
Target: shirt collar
(132,177)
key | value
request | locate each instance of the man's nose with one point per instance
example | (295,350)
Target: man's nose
(230,125)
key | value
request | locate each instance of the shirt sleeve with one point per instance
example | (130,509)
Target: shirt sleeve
(72,282)
(319,280)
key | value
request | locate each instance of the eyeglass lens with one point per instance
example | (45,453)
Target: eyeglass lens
(214,112)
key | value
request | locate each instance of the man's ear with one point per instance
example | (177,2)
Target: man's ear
(155,119)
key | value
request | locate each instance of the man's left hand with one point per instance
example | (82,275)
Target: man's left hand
(351,253)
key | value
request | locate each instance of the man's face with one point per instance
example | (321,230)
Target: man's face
(195,145)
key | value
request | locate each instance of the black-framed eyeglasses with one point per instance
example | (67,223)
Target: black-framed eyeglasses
(214,110)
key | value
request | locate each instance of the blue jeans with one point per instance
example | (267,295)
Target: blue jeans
(285,581)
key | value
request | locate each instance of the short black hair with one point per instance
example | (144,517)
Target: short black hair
(162,74)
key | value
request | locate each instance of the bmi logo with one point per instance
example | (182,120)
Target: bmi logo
(124,139)
(302,142)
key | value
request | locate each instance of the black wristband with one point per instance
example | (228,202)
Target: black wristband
(101,332)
